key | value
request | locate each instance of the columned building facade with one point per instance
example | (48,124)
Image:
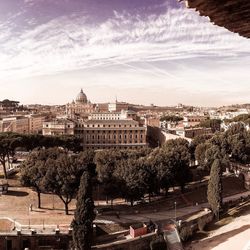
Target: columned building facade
(80,107)
(108,134)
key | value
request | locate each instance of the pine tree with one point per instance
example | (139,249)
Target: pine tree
(82,223)
(214,192)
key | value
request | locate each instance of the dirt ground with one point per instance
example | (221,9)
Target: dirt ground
(16,205)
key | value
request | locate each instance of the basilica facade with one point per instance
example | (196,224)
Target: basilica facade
(81,107)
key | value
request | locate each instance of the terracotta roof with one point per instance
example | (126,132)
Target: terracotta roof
(234,15)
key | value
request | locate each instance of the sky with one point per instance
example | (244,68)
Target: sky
(140,51)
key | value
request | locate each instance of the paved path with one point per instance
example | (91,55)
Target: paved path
(15,205)
(164,215)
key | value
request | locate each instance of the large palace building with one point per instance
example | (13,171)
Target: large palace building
(113,128)
(115,133)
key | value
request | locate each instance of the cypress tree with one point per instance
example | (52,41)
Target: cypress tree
(82,223)
(214,192)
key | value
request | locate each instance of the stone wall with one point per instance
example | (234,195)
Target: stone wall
(13,241)
(139,243)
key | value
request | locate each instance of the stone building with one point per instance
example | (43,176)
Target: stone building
(28,124)
(59,127)
(104,129)
(36,123)
(122,115)
(117,106)
(81,107)
(193,120)
(16,124)
(107,134)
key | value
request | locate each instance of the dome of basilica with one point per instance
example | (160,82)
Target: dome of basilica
(81,97)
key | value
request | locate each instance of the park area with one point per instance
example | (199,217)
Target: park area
(20,205)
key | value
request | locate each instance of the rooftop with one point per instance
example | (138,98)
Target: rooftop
(233,15)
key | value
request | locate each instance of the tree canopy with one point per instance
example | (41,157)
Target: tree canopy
(214,192)
(82,223)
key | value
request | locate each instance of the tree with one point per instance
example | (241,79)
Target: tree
(177,151)
(105,166)
(82,223)
(198,140)
(214,124)
(8,144)
(171,118)
(239,143)
(106,163)
(133,178)
(214,192)
(63,176)
(200,154)
(162,169)
(33,171)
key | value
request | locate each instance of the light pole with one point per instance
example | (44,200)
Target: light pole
(98,194)
(218,213)
(53,205)
(175,211)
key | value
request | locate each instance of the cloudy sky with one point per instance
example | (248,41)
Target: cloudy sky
(142,51)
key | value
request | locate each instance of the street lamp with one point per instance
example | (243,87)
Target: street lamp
(53,201)
(175,211)
(218,212)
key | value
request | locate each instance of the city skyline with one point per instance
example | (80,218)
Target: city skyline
(159,52)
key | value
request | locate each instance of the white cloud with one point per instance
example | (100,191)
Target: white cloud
(69,43)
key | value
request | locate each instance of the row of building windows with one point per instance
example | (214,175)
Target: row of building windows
(113,136)
(114,142)
(106,126)
(114,131)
